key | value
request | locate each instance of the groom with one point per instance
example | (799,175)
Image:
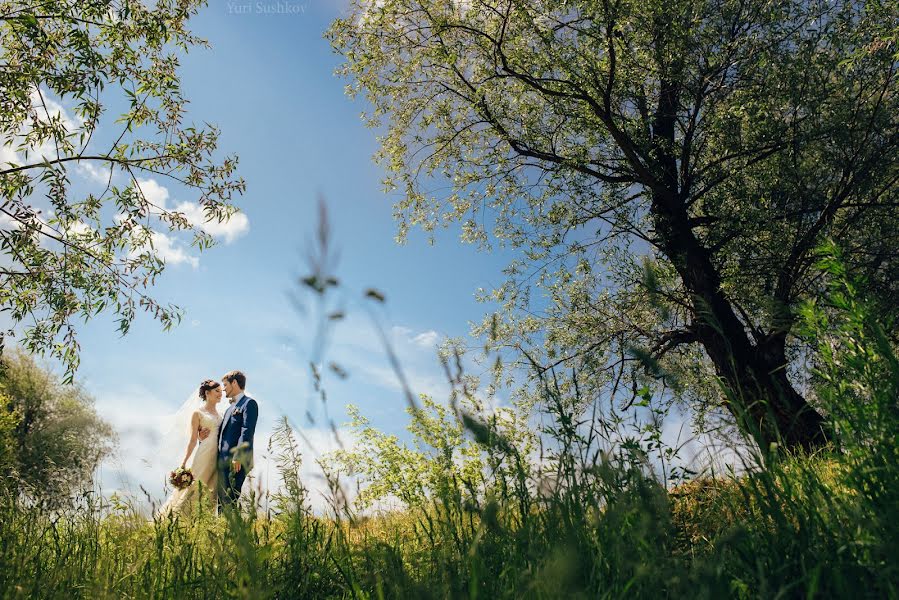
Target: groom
(235,442)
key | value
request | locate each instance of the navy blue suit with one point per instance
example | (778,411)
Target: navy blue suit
(236,443)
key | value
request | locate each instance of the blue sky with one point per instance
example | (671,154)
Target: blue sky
(268,83)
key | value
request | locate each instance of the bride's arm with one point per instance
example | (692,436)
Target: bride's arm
(194,426)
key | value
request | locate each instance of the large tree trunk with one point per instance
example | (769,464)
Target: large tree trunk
(760,396)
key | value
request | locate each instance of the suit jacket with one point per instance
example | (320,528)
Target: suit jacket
(237,430)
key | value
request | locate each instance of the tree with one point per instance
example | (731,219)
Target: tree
(68,252)
(57,438)
(666,169)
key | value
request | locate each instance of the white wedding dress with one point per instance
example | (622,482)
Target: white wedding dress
(204,468)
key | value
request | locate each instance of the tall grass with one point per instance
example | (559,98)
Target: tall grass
(586,520)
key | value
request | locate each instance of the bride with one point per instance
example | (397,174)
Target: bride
(204,465)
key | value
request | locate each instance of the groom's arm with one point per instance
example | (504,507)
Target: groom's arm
(251,414)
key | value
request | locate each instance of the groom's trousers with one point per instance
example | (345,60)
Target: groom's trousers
(229,483)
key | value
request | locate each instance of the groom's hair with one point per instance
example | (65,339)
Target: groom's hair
(237,376)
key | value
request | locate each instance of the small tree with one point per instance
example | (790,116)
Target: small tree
(58,440)
(68,254)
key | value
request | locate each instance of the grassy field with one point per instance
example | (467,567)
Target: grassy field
(811,527)
(823,525)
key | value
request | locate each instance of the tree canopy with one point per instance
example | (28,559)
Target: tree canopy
(92,109)
(666,168)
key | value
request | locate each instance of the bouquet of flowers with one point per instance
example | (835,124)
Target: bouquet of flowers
(181,478)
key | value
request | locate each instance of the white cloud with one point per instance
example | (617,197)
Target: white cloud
(53,109)
(43,109)
(155,194)
(419,381)
(357,347)
(7,222)
(400,331)
(406,336)
(90,171)
(166,246)
(79,228)
(168,249)
(228,230)
(140,423)
(172,252)
(9,156)
(45,106)
(427,339)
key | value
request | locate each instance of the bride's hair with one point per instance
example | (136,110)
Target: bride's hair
(209,384)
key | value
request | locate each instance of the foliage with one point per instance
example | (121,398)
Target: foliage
(53,439)
(69,254)
(441,461)
(664,169)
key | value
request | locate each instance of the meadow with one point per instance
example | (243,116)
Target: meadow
(604,525)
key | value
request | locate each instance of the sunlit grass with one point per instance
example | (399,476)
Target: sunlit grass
(803,528)
(789,526)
